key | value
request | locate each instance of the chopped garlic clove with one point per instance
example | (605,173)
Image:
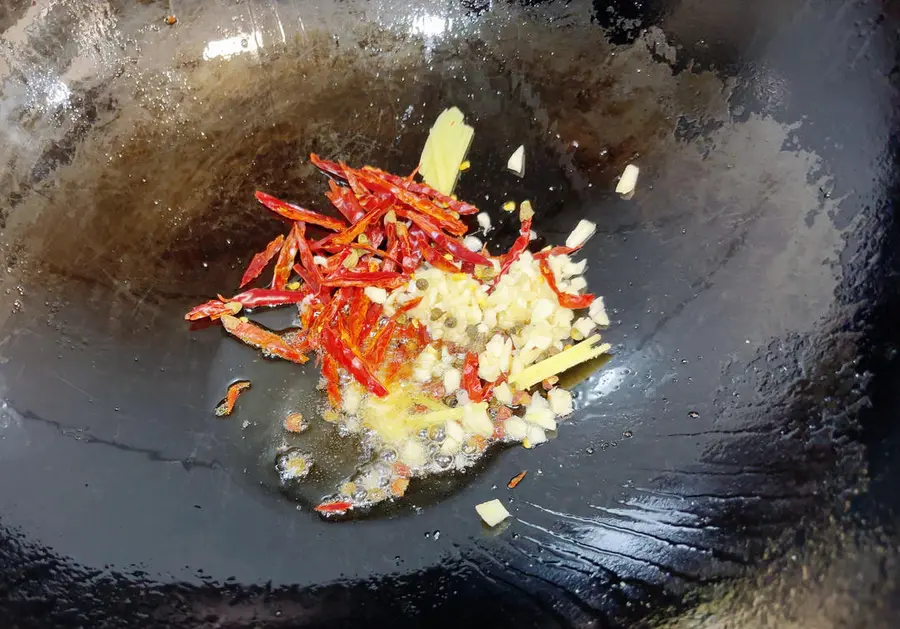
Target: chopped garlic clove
(477,420)
(526,210)
(452,380)
(583,230)
(472,243)
(560,402)
(455,431)
(516,162)
(515,428)
(492,512)
(584,325)
(484,221)
(535,435)
(503,393)
(378,295)
(628,180)
(597,312)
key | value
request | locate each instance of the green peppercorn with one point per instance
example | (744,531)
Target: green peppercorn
(421,283)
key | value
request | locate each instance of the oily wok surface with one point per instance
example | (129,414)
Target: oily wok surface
(745,280)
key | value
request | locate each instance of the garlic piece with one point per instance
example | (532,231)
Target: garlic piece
(583,230)
(516,162)
(597,312)
(492,512)
(628,180)
(560,402)
(378,295)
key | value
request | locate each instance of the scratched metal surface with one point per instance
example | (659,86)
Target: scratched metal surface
(748,278)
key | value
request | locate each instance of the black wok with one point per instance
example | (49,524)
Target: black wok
(739,441)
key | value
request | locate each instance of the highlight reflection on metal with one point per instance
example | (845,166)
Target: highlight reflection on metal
(430,25)
(230,46)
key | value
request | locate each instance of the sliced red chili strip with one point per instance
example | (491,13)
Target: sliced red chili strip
(443,241)
(381,342)
(472,383)
(260,338)
(214,308)
(566,300)
(372,318)
(234,390)
(349,235)
(314,276)
(265,297)
(261,260)
(515,252)
(285,261)
(335,507)
(556,251)
(345,201)
(416,202)
(438,261)
(460,207)
(297,213)
(363,279)
(332,380)
(332,168)
(350,359)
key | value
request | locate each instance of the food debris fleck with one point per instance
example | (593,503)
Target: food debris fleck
(515,480)
(234,390)
(294,422)
(171,20)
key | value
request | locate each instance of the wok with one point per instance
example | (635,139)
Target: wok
(731,464)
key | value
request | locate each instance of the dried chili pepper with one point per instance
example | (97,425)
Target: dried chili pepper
(348,357)
(260,338)
(392,255)
(556,251)
(332,168)
(515,252)
(460,207)
(421,205)
(332,380)
(285,261)
(566,300)
(313,276)
(234,390)
(212,309)
(267,297)
(297,213)
(380,279)
(349,235)
(381,342)
(438,261)
(345,201)
(443,241)
(260,260)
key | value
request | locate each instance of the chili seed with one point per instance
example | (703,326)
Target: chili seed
(421,283)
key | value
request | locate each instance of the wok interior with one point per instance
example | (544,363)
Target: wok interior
(131,158)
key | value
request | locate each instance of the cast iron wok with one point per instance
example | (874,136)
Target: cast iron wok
(750,281)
